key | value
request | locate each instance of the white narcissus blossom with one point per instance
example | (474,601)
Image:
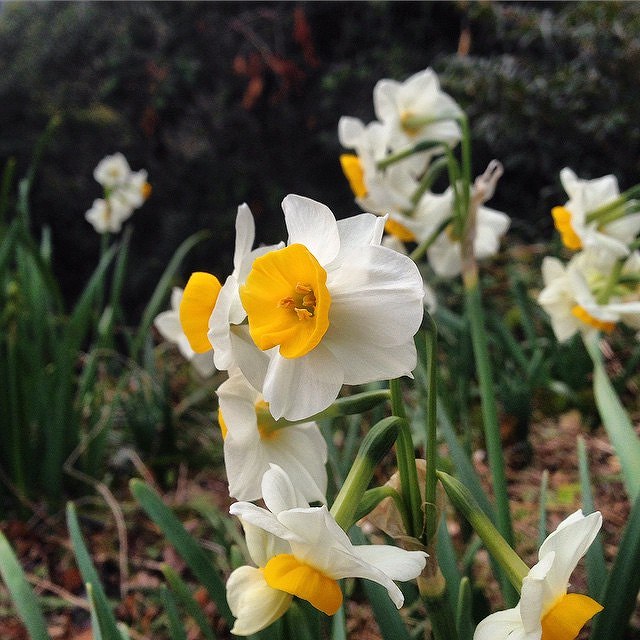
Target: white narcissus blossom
(252,441)
(376,190)
(417,109)
(571,291)
(112,171)
(124,191)
(168,325)
(586,196)
(332,308)
(208,308)
(301,551)
(545,609)
(433,212)
(107,216)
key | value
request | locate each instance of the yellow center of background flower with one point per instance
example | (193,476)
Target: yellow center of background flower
(198,300)
(566,617)
(584,316)
(222,424)
(398,230)
(287,301)
(562,221)
(352,169)
(288,574)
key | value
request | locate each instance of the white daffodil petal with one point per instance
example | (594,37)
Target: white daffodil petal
(245,235)
(263,545)
(361,230)
(397,563)
(300,387)
(502,625)
(569,542)
(535,595)
(313,225)
(259,517)
(279,493)
(253,602)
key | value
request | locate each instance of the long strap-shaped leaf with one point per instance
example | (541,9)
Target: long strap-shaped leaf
(185,545)
(617,423)
(103,613)
(621,589)
(21,593)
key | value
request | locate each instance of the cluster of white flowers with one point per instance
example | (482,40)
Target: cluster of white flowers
(124,192)
(396,160)
(292,324)
(600,285)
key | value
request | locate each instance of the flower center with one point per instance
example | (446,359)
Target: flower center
(352,169)
(198,300)
(266,422)
(562,222)
(398,230)
(567,616)
(584,316)
(287,301)
(286,573)
(410,124)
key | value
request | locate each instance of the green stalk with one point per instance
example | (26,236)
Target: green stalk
(431,440)
(406,458)
(424,246)
(425,145)
(512,565)
(428,179)
(374,447)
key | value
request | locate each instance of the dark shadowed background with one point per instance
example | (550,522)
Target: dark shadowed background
(227,102)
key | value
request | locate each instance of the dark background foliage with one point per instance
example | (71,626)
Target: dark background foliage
(227,102)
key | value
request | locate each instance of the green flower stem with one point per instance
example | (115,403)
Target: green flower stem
(423,247)
(441,616)
(600,212)
(425,145)
(435,168)
(513,566)
(431,439)
(466,158)
(15,439)
(374,447)
(612,281)
(406,457)
(475,315)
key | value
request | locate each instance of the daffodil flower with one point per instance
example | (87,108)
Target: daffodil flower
(546,611)
(124,191)
(301,551)
(332,308)
(571,294)
(252,441)
(578,223)
(107,216)
(417,109)
(208,308)
(168,325)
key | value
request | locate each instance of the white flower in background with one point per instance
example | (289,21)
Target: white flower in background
(210,309)
(112,171)
(416,110)
(303,552)
(587,196)
(570,295)
(107,216)
(252,441)
(332,308)
(377,190)
(168,325)
(545,609)
(124,191)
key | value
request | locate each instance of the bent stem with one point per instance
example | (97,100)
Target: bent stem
(409,487)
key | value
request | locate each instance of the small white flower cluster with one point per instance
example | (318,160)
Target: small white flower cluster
(600,285)
(124,192)
(397,159)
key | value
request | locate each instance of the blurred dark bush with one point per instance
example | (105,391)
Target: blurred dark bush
(225,102)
